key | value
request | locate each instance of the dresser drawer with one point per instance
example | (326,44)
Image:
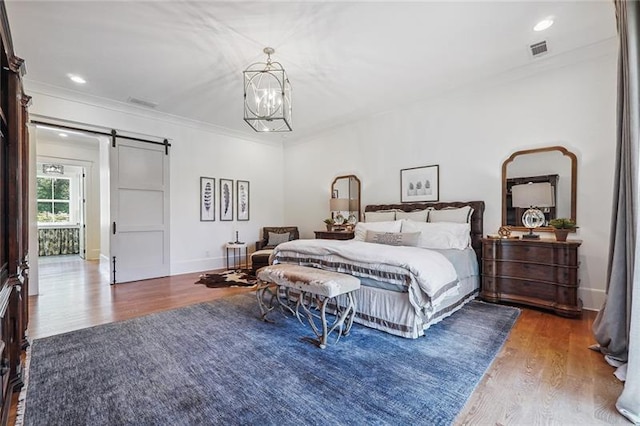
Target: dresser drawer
(531,271)
(537,252)
(512,289)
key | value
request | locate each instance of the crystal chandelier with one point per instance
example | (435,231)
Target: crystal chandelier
(267,96)
(53,169)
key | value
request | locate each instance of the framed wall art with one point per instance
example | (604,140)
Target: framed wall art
(207,199)
(226,199)
(419,184)
(242,197)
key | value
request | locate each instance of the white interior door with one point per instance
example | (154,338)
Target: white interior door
(139,211)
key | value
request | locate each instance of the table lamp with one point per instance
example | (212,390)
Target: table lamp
(532,196)
(338,205)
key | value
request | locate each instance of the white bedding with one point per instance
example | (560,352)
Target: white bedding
(426,274)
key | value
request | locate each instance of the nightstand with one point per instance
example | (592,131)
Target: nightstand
(541,273)
(239,252)
(334,235)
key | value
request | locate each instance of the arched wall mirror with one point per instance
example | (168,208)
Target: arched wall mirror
(555,165)
(345,196)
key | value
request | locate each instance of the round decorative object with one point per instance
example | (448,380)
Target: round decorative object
(533,218)
(504,231)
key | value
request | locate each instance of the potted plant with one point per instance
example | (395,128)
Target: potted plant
(329,222)
(561,227)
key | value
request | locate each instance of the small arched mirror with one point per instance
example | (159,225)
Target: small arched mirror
(555,165)
(345,196)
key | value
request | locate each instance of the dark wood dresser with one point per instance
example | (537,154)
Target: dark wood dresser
(541,273)
(334,235)
(14,219)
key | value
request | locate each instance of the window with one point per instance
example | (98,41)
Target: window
(53,199)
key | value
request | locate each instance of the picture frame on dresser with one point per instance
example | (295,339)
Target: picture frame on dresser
(207,199)
(226,200)
(418,184)
(243,199)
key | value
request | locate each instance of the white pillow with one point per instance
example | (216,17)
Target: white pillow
(440,235)
(457,215)
(409,239)
(362,228)
(384,216)
(418,215)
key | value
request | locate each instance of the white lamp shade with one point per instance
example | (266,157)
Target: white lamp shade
(532,195)
(339,204)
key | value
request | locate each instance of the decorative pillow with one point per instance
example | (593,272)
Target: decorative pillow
(441,235)
(418,215)
(380,216)
(362,228)
(393,238)
(457,215)
(276,238)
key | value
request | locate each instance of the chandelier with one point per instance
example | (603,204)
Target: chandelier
(53,169)
(267,96)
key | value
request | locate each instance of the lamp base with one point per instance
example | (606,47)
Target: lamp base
(531,235)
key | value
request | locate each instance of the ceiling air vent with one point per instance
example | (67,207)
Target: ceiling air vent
(538,49)
(143,103)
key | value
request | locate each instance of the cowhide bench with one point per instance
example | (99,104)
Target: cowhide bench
(316,288)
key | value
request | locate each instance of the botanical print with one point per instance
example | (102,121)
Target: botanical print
(226,199)
(207,199)
(419,184)
(243,199)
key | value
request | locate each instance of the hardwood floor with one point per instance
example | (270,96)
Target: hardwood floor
(545,373)
(76,294)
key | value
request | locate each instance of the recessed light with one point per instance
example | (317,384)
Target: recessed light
(63,135)
(76,78)
(543,25)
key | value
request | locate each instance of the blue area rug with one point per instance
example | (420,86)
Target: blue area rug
(216,363)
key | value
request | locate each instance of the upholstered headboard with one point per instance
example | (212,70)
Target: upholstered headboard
(476,217)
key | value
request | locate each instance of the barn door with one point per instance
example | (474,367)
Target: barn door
(139,211)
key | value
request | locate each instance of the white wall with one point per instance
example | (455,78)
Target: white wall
(469,133)
(196,151)
(105,199)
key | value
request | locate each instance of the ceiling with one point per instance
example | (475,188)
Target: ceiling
(345,60)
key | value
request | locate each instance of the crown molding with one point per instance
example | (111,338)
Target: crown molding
(36,87)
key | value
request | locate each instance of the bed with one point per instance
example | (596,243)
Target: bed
(405,289)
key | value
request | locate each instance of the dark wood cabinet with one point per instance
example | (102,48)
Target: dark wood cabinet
(14,265)
(541,273)
(334,235)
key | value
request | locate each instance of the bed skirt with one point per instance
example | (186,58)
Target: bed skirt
(400,317)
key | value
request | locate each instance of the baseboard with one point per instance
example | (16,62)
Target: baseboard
(592,299)
(93,254)
(197,265)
